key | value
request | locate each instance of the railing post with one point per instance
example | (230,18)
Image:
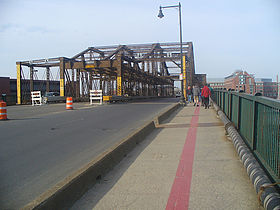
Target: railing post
(228,104)
(218,98)
(238,113)
(223,102)
(230,107)
(254,121)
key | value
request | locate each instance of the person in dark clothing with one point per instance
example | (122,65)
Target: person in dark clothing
(189,94)
(205,93)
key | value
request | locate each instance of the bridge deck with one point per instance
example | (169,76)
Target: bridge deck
(187,163)
(42,145)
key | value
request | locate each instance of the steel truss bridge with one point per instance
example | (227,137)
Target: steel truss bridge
(122,70)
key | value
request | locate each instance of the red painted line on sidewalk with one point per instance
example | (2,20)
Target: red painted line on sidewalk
(180,192)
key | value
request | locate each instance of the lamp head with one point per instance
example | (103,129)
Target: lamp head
(160,14)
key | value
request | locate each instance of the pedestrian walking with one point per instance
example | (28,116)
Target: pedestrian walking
(196,93)
(189,94)
(205,93)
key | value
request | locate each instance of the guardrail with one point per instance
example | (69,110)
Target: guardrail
(257,120)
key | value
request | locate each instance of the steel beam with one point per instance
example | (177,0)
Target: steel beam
(117,69)
(48,79)
(62,69)
(18,83)
(31,78)
(185,77)
(119,77)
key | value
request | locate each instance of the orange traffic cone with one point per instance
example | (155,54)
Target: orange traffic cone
(3,111)
(69,103)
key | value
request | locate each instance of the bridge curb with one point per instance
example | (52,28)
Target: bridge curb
(268,196)
(64,194)
(165,114)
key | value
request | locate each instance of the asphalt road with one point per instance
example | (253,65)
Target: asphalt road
(40,146)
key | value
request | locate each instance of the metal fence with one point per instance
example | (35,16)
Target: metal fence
(257,119)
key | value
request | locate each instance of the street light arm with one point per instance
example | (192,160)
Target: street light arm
(170,6)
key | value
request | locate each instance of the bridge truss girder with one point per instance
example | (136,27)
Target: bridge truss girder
(133,70)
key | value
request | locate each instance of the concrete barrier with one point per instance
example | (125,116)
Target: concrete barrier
(64,194)
(268,195)
(166,114)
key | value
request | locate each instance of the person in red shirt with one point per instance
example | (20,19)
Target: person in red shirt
(205,93)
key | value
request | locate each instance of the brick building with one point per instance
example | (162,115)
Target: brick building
(8,86)
(5,85)
(241,80)
(267,88)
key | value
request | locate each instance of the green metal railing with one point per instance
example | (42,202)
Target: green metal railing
(257,120)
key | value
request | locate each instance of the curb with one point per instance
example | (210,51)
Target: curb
(64,194)
(268,195)
(165,114)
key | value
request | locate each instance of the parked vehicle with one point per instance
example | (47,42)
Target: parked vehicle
(53,97)
(178,94)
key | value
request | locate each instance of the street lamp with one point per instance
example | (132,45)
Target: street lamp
(160,15)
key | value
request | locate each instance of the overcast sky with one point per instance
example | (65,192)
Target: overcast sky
(227,34)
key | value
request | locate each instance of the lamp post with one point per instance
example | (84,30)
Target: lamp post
(160,15)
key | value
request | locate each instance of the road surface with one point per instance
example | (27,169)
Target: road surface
(40,146)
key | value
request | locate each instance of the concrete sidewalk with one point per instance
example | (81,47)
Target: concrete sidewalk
(144,179)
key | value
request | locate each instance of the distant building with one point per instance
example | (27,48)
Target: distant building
(241,81)
(266,87)
(216,83)
(4,85)
(9,87)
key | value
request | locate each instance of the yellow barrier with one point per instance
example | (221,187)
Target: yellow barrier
(107,98)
